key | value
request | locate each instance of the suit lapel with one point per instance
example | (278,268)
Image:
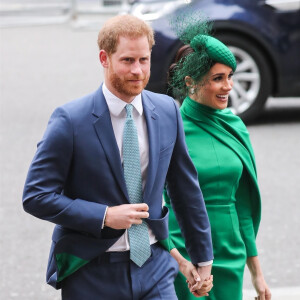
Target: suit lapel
(105,133)
(152,121)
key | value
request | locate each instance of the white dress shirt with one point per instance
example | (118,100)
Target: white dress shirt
(117,112)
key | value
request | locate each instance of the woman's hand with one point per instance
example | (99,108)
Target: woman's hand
(261,288)
(189,271)
(186,267)
(258,280)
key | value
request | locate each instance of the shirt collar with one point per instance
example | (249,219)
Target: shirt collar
(117,105)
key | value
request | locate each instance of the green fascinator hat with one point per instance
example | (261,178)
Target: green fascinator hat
(215,49)
(199,53)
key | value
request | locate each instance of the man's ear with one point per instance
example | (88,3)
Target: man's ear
(104,58)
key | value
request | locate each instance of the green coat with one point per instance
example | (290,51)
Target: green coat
(219,146)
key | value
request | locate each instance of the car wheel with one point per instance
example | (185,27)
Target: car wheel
(252,80)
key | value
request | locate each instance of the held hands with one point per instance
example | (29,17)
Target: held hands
(123,216)
(198,287)
(203,284)
(199,281)
(205,288)
(204,274)
(189,271)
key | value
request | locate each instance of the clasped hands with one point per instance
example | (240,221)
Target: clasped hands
(199,279)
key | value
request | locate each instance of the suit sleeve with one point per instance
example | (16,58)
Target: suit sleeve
(43,194)
(187,201)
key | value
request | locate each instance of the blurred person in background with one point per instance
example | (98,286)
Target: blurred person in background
(220,148)
(99,173)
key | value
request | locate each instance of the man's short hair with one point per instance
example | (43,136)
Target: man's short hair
(126,26)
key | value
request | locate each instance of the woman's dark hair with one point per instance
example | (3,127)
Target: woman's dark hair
(182,52)
(187,63)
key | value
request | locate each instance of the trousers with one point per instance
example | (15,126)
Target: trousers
(113,276)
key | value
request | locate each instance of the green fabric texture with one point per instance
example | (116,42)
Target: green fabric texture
(230,130)
(167,244)
(67,264)
(215,49)
(219,145)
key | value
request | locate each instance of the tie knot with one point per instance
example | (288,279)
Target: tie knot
(129,108)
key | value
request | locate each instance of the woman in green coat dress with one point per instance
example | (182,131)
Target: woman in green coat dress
(219,145)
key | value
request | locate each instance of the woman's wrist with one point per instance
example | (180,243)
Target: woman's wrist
(254,266)
(178,257)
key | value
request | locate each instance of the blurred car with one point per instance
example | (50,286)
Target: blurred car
(263,35)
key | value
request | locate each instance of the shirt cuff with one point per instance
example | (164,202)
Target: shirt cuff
(205,263)
(104,217)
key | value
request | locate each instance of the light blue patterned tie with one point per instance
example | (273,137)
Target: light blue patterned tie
(138,234)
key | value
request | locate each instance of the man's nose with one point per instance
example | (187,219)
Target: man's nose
(136,68)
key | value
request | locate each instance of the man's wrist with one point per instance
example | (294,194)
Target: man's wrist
(205,263)
(104,217)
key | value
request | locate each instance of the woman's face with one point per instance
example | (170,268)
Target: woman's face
(213,90)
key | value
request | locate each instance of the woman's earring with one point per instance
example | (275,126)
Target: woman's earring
(192,91)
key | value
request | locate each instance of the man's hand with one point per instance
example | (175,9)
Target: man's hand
(204,274)
(123,216)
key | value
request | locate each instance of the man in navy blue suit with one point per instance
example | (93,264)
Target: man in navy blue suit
(77,181)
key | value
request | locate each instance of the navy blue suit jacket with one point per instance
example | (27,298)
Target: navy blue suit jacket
(76,173)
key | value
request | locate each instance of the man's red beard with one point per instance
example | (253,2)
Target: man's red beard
(125,87)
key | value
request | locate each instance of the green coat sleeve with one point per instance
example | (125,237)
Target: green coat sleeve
(245,212)
(167,244)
